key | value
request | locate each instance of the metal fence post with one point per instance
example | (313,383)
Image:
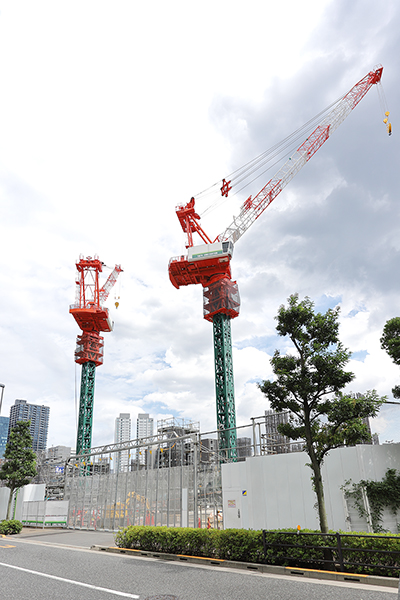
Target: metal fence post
(264,544)
(168,481)
(44,512)
(116,494)
(340,553)
(195,485)
(158,474)
(126,493)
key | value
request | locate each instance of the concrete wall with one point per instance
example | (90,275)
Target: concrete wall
(275,491)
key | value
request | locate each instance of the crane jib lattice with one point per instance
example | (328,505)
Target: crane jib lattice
(253,208)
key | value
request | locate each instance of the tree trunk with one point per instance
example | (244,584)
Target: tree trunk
(316,468)
(319,490)
(10,499)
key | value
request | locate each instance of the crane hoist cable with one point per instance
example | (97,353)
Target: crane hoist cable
(384,109)
(263,161)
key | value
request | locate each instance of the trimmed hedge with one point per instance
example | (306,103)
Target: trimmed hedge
(247,546)
(230,544)
(10,527)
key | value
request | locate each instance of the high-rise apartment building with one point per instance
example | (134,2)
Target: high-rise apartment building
(144,429)
(39,418)
(122,434)
(4,421)
(144,426)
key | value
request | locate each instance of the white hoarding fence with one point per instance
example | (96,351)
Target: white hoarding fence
(45,513)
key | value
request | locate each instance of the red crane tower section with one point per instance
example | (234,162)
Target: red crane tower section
(93,319)
(88,311)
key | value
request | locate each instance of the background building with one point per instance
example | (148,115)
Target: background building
(60,453)
(39,418)
(4,421)
(122,433)
(176,441)
(144,426)
(244,448)
(275,442)
(51,470)
(144,429)
(209,450)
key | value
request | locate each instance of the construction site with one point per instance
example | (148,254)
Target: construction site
(173,478)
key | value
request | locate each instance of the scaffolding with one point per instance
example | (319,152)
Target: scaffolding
(176,483)
(174,487)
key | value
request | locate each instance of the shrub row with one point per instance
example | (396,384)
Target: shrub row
(230,544)
(309,551)
(10,527)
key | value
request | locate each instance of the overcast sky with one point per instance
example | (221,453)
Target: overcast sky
(112,113)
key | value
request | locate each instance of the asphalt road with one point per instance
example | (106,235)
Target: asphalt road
(59,565)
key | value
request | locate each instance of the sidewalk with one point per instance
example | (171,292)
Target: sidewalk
(67,537)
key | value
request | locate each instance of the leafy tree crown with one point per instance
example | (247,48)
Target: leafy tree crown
(19,465)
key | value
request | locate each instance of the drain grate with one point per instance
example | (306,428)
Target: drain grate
(161,597)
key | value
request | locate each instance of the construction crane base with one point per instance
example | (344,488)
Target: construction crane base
(224,387)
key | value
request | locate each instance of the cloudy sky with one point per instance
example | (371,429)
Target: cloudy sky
(111,114)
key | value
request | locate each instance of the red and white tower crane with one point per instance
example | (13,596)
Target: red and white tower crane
(208,263)
(93,319)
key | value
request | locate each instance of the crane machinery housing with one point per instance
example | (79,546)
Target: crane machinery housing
(92,318)
(208,263)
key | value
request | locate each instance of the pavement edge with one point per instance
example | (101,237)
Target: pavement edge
(255,567)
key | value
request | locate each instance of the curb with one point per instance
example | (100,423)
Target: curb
(372,580)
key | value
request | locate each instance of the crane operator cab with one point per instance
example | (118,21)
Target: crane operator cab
(220,250)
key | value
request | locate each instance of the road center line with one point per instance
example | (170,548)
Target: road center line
(87,585)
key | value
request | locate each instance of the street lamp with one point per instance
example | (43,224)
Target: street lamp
(2,386)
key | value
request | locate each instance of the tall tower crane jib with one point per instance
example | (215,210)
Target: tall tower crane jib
(208,263)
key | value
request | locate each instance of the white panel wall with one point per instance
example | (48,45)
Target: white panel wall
(30,492)
(275,491)
(4,495)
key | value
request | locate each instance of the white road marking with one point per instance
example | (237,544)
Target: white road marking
(87,585)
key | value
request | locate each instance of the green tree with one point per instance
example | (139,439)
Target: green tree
(19,465)
(308,384)
(390,341)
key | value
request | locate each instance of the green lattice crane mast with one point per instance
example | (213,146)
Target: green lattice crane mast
(92,318)
(208,263)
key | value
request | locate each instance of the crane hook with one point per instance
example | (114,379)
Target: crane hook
(388,125)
